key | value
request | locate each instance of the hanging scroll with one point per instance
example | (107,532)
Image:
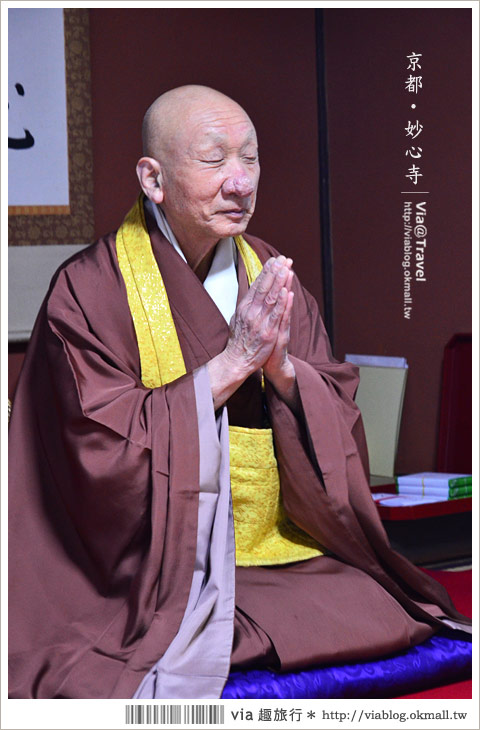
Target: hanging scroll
(49,127)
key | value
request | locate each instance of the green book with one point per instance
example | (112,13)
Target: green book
(455,492)
(460,482)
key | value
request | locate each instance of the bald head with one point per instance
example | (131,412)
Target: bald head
(200,164)
(174,111)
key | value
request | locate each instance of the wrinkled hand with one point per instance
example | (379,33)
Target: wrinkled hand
(259,336)
(278,366)
(259,330)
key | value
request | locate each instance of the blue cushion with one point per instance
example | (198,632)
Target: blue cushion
(439,660)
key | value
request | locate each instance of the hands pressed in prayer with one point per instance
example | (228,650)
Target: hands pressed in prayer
(262,314)
(259,336)
(279,368)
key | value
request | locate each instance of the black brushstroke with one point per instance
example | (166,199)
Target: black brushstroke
(21,143)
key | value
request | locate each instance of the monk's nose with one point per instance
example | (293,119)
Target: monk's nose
(239,184)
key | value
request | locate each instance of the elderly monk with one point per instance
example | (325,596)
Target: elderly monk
(178,368)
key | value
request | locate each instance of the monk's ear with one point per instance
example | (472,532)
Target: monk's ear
(149,175)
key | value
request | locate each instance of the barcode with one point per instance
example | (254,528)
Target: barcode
(172,714)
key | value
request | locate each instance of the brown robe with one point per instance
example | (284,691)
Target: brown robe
(104,498)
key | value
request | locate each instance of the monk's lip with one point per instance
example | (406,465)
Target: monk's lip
(234,213)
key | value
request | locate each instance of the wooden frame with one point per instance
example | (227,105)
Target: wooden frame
(73,224)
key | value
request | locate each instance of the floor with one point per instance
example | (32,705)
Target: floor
(458,582)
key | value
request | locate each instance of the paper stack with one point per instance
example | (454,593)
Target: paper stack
(448,486)
(427,487)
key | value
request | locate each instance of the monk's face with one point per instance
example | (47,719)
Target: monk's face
(211,175)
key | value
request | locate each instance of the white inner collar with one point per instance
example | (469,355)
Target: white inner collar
(221,282)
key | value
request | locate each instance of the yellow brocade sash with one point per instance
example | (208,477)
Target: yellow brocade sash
(263,533)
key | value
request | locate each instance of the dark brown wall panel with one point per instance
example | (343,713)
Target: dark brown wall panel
(368,109)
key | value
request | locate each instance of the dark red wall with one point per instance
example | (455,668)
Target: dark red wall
(368,110)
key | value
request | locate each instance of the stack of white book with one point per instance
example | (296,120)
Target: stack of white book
(426,487)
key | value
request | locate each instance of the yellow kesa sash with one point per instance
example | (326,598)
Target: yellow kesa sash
(263,533)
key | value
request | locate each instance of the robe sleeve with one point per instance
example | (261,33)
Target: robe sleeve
(103,489)
(323,465)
